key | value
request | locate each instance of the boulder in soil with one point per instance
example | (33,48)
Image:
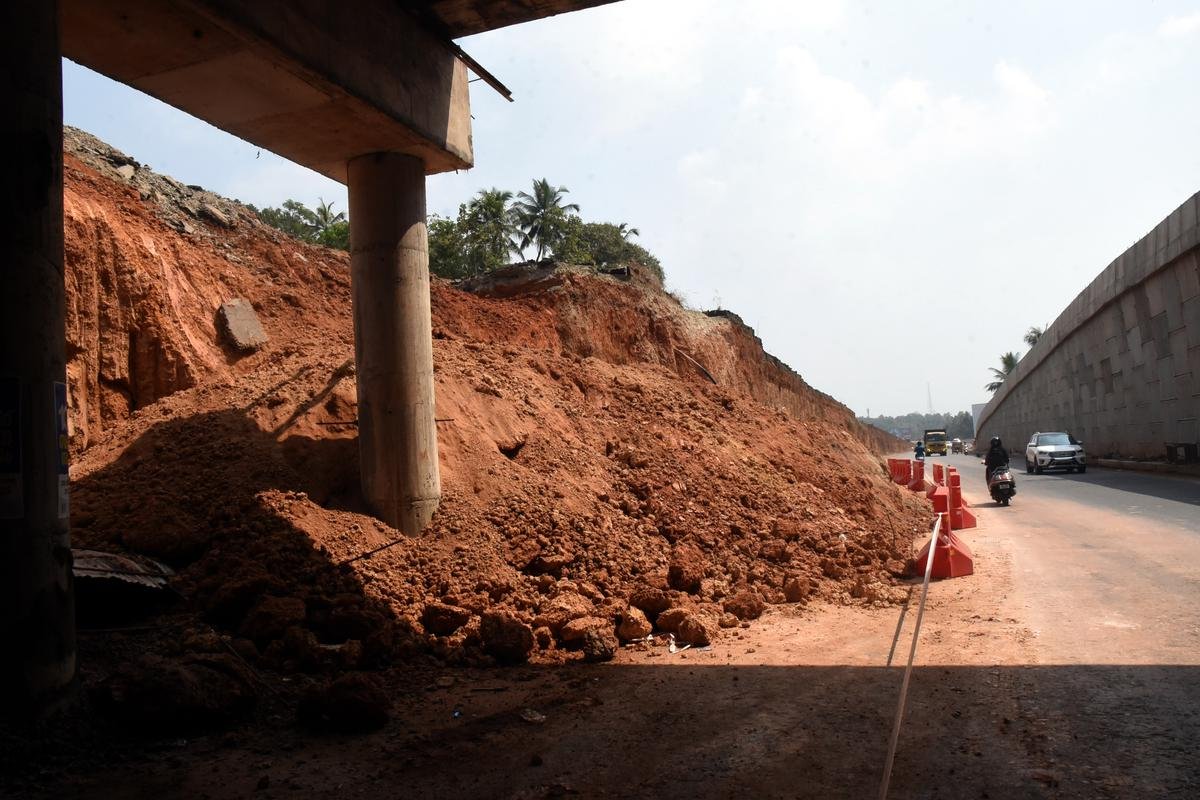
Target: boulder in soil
(652,601)
(560,610)
(240,326)
(668,621)
(633,625)
(695,630)
(599,645)
(686,569)
(354,703)
(576,630)
(745,605)
(441,619)
(797,590)
(505,637)
(161,696)
(272,617)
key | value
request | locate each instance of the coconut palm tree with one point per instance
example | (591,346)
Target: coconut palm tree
(1033,334)
(490,229)
(1008,362)
(324,217)
(541,215)
(627,231)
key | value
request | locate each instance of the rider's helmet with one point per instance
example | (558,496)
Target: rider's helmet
(995,442)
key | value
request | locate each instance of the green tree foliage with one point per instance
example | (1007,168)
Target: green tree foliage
(496,225)
(337,236)
(321,226)
(447,248)
(1008,362)
(293,218)
(606,244)
(543,217)
(913,425)
(1033,334)
(489,227)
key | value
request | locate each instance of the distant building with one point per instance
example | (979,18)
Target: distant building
(976,410)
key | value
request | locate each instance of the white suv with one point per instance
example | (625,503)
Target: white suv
(1054,451)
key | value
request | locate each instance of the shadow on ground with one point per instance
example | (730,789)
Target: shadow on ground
(673,730)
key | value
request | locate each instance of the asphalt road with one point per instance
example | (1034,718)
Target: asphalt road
(1154,497)
(1104,566)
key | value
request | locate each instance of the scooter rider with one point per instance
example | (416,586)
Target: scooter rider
(996,456)
(919,451)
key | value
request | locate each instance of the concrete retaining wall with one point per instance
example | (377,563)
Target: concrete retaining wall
(1120,367)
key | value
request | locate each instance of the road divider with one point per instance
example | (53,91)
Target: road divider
(959,516)
(901,470)
(916,481)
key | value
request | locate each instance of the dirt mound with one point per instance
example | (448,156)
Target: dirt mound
(584,462)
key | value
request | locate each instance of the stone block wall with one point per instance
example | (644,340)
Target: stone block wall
(1120,367)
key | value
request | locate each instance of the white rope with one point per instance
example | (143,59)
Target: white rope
(912,653)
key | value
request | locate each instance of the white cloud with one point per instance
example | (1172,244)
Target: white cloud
(1180,27)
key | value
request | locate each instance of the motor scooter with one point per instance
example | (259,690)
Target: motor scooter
(1001,485)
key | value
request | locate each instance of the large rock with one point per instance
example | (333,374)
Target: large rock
(271,617)
(160,696)
(650,600)
(575,630)
(505,637)
(599,645)
(441,619)
(745,605)
(695,630)
(797,589)
(354,703)
(669,620)
(240,325)
(633,625)
(686,569)
(565,607)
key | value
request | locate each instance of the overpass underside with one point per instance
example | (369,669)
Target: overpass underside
(1120,367)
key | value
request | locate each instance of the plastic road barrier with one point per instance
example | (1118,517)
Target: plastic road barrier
(917,477)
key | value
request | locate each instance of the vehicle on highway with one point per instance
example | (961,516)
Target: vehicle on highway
(936,443)
(956,445)
(1001,485)
(1056,450)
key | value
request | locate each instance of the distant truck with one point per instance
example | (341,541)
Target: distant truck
(936,443)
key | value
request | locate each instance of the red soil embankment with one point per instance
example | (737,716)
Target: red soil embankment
(583,462)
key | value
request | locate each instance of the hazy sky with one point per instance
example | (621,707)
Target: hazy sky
(889,193)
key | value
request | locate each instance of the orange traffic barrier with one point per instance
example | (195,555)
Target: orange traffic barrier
(959,516)
(901,469)
(917,477)
(939,474)
(951,557)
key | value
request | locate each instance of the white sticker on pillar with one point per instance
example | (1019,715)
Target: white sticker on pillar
(12,489)
(62,444)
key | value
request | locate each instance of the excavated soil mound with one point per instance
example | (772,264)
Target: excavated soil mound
(586,466)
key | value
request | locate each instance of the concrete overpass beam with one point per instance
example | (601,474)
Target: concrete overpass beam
(37,610)
(393,346)
(310,80)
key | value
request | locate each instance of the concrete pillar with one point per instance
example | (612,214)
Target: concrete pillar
(37,612)
(393,345)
